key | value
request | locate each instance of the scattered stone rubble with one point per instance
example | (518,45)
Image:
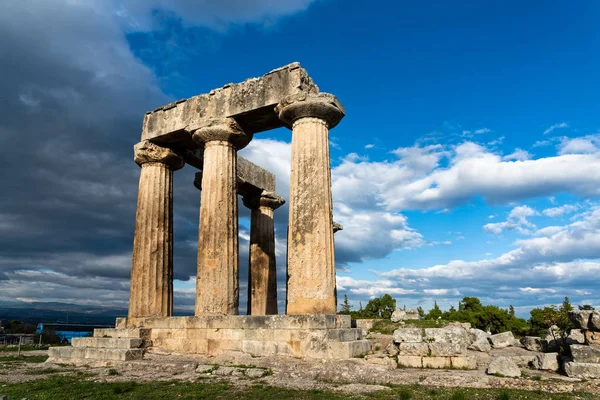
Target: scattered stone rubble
(584,343)
(458,346)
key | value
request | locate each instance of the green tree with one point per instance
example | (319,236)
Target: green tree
(435,312)
(421,312)
(346,306)
(587,307)
(511,310)
(380,307)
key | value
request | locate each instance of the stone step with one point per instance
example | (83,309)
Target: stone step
(124,333)
(108,343)
(345,334)
(350,349)
(60,354)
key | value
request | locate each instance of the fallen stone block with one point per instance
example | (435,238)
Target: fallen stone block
(528,361)
(451,334)
(595,321)
(228,371)
(585,354)
(576,336)
(547,361)
(413,349)
(580,318)
(501,340)
(478,340)
(582,370)
(255,372)
(503,366)
(392,349)
(533,343)
(408,335)
(398,315)
(438,349)
(592,338)
(410,361)
(437,362)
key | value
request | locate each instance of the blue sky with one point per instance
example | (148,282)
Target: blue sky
(466,164)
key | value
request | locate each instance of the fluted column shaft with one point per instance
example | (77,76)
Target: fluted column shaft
(217,287)
(151,291)
(262,267)
(311,286)
(311,270)
(218,261)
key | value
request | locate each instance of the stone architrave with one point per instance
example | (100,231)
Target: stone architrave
(217,286)
(310,257)
(262,271)
(151,290)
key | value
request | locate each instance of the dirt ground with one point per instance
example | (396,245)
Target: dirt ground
(351,376)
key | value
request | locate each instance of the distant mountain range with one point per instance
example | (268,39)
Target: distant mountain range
(34,313)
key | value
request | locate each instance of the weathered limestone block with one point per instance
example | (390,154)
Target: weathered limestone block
(412,314)
(205,368)
(262,272)
(580,318)
(413,349)
(398,315)
(115,343)
(151,290)
(533,343)
(437,362)
(217,288)
(392,350)
(410,361)
(463,362)
(408,335)
(463,325)
(525,361)
(576,336)
(504,339)
(592,338)
(365,324)
(124,333)
(479,340)
(547,361)
(443,349)
(595,321)
(503,366)
(585,354)
(453,335)
(251,102)
(310,257)
(582,370)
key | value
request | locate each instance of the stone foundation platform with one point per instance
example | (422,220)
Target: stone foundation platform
(321,336)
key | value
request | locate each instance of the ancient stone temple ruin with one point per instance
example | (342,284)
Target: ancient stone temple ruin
(206,132)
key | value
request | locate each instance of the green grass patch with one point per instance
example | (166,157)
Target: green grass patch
(23,348)
(28,359)
(77,388)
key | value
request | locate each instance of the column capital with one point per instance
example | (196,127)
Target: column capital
(323,106)
(264,199)
(222,130)
(148,152)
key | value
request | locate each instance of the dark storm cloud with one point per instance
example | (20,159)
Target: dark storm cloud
(72,101)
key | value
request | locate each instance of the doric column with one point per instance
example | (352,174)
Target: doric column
(217,287)
(262,272)
(310,258)
(151,291)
